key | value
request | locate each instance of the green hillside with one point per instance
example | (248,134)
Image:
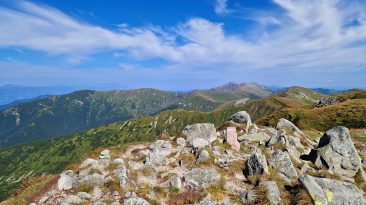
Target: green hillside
(350,113)
(82,110)
(302,96)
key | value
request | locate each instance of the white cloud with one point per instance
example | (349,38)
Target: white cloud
(221,7)
(310,36)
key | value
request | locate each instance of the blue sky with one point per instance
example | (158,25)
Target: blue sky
(183,44)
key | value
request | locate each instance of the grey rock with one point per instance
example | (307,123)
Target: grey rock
(199,178)
(160,150)
(281,162)
(256,165)
(247,196)
(336,152)
(329,191)
(272,192)
(255,137)
(203,157)
(122,174)
(287,125)
(225,158)
(181,141)
(135,201)
(253,129)
(67,180)
(175,182)
(72,199)
(94,179)
(242,117)
(200,143)
(206,131)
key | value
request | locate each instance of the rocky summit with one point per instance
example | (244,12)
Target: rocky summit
(239,163)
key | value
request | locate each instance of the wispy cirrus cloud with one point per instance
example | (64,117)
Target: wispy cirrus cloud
(310,36)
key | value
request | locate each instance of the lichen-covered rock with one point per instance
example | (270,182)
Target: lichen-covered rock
(336,152)
(256,165)
(329,191)
(272,192)
(199,178)
(206,131)
(280,161)
(67,180)
(287,125)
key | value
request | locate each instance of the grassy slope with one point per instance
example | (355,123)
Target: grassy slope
(300,95)
(350,113)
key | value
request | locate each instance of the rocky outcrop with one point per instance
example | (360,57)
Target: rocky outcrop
(205,131)
(337,153)
(330,100)
(256,165)
(330,191)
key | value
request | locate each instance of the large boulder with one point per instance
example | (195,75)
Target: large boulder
(200,178)
(159,152)
(287,125)
(329,191)
(242,117)
(67,180)
(280,161)
(206,131)
(256,165)
(337,153)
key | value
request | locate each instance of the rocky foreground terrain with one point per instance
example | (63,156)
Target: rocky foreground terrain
(236,163)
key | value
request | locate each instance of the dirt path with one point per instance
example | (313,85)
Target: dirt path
(35,197)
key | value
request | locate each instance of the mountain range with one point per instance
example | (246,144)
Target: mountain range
(80,110)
